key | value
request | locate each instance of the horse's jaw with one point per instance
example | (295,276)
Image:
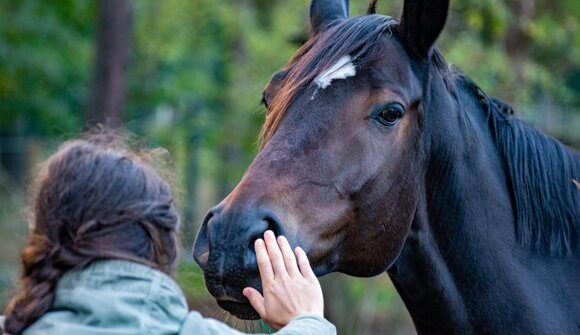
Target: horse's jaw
(229,296)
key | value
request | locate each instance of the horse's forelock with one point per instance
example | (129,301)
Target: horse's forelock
(358,38)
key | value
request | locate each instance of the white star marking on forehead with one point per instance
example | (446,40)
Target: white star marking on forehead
(342,69)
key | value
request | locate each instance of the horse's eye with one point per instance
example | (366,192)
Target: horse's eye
(390,114)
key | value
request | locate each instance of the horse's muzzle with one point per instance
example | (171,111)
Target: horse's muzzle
(224,249)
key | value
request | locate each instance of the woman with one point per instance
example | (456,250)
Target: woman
(103,247)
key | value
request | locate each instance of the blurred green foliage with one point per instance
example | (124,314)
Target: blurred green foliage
(45,55)
(196,74)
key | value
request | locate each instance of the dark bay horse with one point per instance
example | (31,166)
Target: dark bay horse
(376,156)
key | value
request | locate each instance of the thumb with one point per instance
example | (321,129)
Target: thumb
(256,299)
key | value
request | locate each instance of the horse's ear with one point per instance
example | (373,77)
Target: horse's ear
(325,12)
(421,23)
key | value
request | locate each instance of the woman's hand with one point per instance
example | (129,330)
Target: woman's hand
(290,287)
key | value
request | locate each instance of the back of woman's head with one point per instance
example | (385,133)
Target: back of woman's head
(92,200)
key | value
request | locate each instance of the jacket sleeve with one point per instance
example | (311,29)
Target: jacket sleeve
(302,325)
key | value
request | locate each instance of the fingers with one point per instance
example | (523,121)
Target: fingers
(275,254)
(264,265)
(288,256)
(256,300)
(275,257)
(304,264)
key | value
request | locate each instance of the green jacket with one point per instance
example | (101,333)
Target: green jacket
(117,297)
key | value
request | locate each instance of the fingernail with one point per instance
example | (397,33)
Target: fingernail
(269,233)
(259,241)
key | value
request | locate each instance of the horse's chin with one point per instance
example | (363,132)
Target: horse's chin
(240,310)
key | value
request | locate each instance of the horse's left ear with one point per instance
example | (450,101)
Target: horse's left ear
(421,23)
(325,12)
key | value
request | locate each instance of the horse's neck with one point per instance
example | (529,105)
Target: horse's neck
(461,269)
(451,257)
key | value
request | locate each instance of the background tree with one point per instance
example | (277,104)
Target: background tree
(114,33)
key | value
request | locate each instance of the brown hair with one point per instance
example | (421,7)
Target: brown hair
(92,200)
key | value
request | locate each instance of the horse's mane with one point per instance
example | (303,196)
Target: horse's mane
(540,172)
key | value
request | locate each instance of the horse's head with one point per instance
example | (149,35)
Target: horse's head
(343,151)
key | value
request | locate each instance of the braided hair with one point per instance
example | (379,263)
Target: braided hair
(92,200)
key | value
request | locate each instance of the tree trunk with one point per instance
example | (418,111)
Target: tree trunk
(517,38)
(114,34)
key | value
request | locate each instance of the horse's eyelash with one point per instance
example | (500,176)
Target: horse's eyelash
(264,101)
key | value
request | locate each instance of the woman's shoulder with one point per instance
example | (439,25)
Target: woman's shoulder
(119,281)
(117,274)
(118,296)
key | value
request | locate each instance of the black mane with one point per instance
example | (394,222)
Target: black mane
(541,172)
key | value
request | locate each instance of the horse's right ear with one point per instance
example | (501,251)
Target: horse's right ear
(421,23)
(325,12)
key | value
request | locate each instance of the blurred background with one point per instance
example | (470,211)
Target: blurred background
(187,75)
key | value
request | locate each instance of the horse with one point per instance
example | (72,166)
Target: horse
(377,157)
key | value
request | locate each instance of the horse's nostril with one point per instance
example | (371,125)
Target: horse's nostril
(269,221)
(208,217)
(231,235)
(274,224)
(201,245)
(257,232)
